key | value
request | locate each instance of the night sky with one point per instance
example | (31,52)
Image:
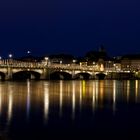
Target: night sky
(69,26)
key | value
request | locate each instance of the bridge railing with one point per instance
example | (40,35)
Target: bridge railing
(22,64)
(73,67)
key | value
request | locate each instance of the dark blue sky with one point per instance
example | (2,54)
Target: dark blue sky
(69,26)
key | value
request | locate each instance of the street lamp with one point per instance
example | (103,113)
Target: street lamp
(28,55)
(73,60)
(46,60)
(10,56)
(61,62)
(28,52)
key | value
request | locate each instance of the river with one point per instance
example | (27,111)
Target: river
(69,109)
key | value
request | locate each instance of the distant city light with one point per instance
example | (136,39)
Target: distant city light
(46,58)
(73,60)
(61,62)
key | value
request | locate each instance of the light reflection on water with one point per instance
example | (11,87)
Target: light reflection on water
(45,97)
(46,101)
(95,94)
(28,98)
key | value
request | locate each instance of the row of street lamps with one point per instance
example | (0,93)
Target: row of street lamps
(47,61)
(11,55)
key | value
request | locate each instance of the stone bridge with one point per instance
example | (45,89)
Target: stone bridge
(17,70)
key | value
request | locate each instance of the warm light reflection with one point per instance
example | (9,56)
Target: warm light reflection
(73,99)
(128,90)
(96,89)
(101,89)
(136,90)
(80,95)
(37,96)
(10,104)
(28,98)
(46,101)
(61,97)
(83,88)
(93,96)
(114,95)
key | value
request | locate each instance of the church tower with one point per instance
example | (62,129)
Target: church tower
(102,49)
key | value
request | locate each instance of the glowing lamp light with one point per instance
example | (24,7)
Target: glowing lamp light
(46,58)
(73,60)
(102,67)
(28,52)
(10,55)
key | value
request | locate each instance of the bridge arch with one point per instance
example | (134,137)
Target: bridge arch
(60,75)
(23,75)
(83,75)
(2,76)
(100,75)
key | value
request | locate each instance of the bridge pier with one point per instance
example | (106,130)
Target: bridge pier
(43,75)
(9,73)
(73,74)
(46,74)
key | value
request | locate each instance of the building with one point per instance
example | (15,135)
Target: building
(130,63)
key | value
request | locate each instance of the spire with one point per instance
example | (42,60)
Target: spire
(101,48)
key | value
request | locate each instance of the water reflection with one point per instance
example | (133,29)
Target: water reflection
(28,98)
(96,92)
(80,96)
(136,90)
(61,97)
(73,99)
(128,90)
(45,97)
(114,95)
(46,101)
(94,96)
(10,104)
